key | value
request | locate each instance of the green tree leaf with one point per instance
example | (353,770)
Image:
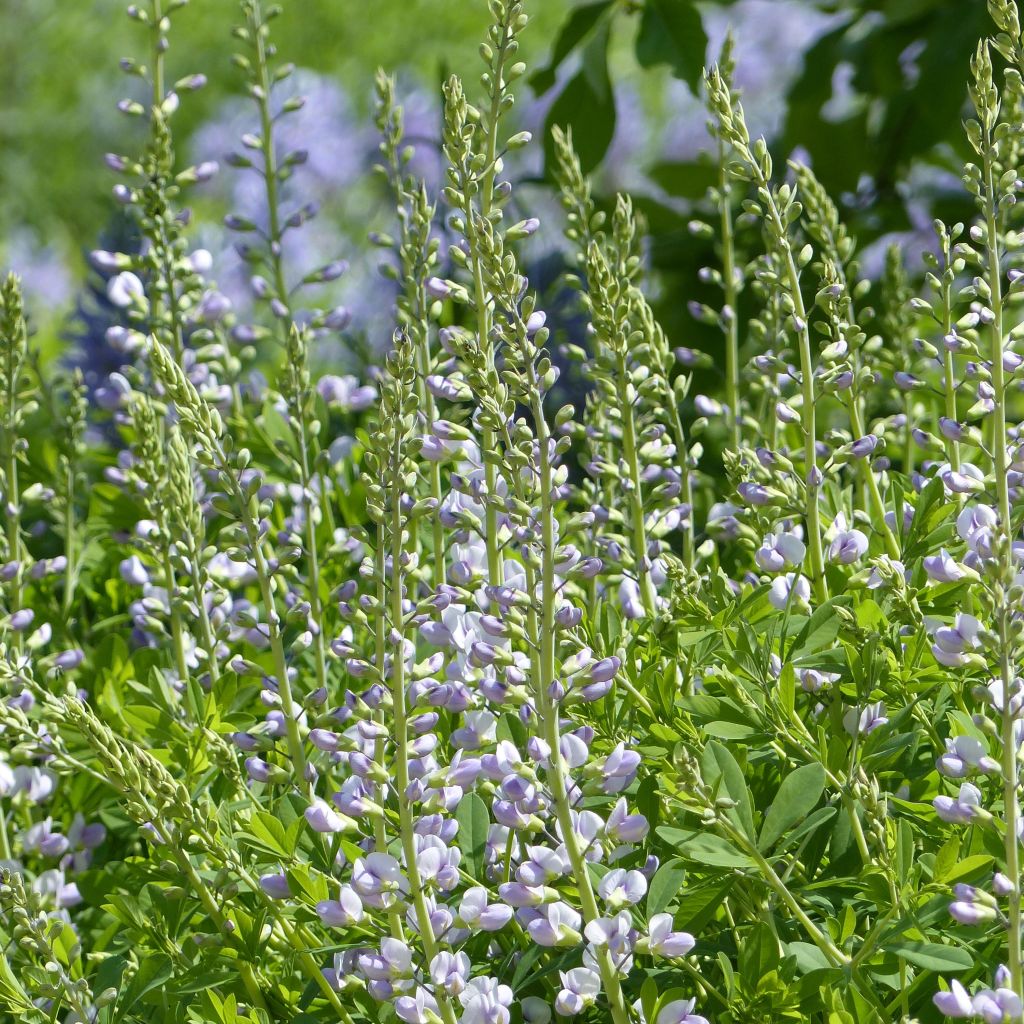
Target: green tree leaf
(574,30)
(705,848)
(671,32)
(819,631)
(587,106)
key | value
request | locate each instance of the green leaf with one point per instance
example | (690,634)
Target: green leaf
(729,730)
(932,956)
(154,970)
(12,995)
(664,886)
(574,30)
(797,797)
(719,764)
(699,902)
(820,631)
(587,106)
(759,954)
(671,32)
(269,833)
(705,848)
(474,821)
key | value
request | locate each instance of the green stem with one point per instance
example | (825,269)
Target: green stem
(807,411)
(295,744)
(732,342)
(837,957)
(871,485)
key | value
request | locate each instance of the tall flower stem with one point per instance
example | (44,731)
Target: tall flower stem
(549,713)
(401,732)
(256,25)
(731,293)
(1009,760)
(627,400)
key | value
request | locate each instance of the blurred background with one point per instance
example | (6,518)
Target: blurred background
(871,92)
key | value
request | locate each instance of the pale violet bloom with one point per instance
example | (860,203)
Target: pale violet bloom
(780,550)
(790,589)
(346,910)
(846,546)
(953,643)
(964,756)
(975,525)
(943,568)
(663,941)
(624,827)
(961,810)
(420,1008)
(998,1006)
(680,1011)
(557,924)
(954,1003)
(322,817)
(629,598)
(377,877)
(543,865)
(812,680)
(450,971)
(619,887)
(580,989)
(967,479)
(125,289)
(346,393)
(861,721)
(485,1001)
(617,934)
(476,912)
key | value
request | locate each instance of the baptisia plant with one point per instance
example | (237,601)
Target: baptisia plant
(451,695)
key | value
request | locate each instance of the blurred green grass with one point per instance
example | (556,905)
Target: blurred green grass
(60,82)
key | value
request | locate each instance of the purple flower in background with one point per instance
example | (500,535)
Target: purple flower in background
(790,589)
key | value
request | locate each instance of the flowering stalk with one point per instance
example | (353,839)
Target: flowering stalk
(610,308)
(535,376)
(204,425)
(471,146)
(941,279)
(417,256)
(986,102)
(72,449)
(778,207)
(393,449)
(731,275)
(256,65)
(15,407)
